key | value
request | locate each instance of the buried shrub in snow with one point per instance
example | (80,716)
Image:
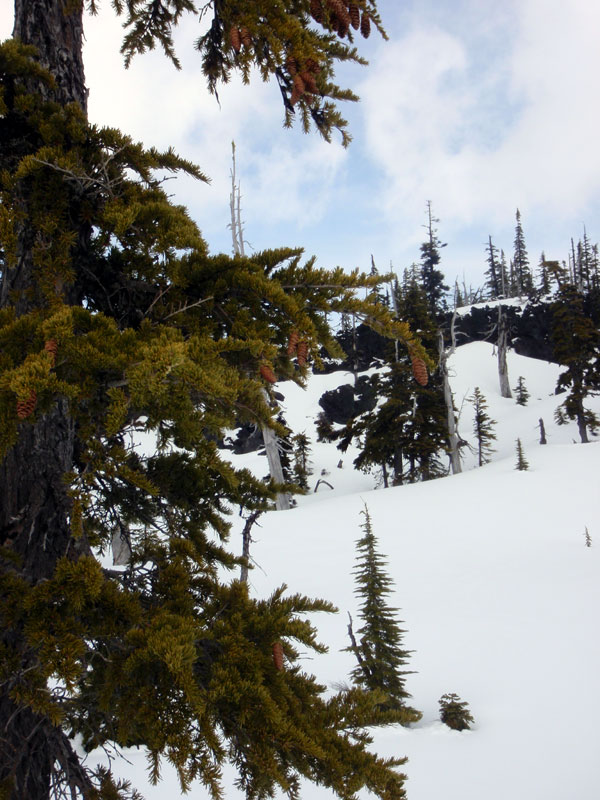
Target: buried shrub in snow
(455,713)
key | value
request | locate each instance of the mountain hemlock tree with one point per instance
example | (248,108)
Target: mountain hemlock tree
(482,427)
(302,465)
(114,319)
(493,275)
(432,278)
(379,651)
(522,464)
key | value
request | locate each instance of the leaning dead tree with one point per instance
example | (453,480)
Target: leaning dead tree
(282,500)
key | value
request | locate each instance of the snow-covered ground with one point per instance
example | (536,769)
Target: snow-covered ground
(499,595)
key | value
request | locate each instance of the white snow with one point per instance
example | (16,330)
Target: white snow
(499,595)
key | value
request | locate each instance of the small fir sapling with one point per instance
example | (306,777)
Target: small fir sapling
(302,465)
(379,651)
(522,463)
(455,713)
(588,538)
(521,393)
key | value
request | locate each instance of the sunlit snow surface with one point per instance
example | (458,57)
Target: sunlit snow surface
(499,595)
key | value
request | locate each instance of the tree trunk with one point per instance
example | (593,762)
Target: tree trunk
(453,437)
(35,506)
(502,347)
(58,37)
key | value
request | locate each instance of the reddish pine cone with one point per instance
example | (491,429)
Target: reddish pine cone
(316,10)
(278,655)
(302,352)
(419,371)
(292,343)
(309,82)
(234,39)
(51,346)
(354,13)
(291,65)
(267,373)
(245,37)
(365,25)
(25,408)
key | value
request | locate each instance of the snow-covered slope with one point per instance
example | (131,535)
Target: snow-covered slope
(498,592)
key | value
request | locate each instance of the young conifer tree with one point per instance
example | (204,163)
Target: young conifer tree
(482,427)
(114,318)
(522,464)
(521,393)
(379,652)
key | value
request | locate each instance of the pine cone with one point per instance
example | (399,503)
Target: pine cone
(316,10)
(302,352)
(245,38)
(309,82)
(235,39)
(339,10)
(267,373)
(292,343)
(365,25)
(419,371)
(25,408)
(343,28)
(291,65)
(354,13)
(312,66)
(51,346)
(278,655)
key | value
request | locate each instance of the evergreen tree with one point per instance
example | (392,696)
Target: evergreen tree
(454,712)
(544,284)
(114,318)
(302,465)
(521,393)
(379,651)
(523,279)
(522,464)
(493,276)
(576,342)
(482,427)
(432,278)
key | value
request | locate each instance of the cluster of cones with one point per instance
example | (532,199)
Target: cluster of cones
(342,14)
(296,347)
(239,37)
(25,408)
(304,79)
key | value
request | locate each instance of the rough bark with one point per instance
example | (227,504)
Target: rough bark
(35,506)
(58,37)
(453,437)
(505,390)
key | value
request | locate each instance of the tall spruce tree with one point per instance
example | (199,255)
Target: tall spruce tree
(114,318)
(379,652)
(522,270)
(432,278)
(493,276)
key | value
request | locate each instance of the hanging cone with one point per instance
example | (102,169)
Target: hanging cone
(235,39)
(309,82)
(25,408)
(292,343)
(291,65)
(302,352)
(365,25)
(312,66)
(51,346)
(278,655)
(316,10)
(267,373)
(245,38)
(419,371)
(354,13)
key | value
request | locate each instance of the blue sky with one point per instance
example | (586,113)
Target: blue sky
(477,106)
